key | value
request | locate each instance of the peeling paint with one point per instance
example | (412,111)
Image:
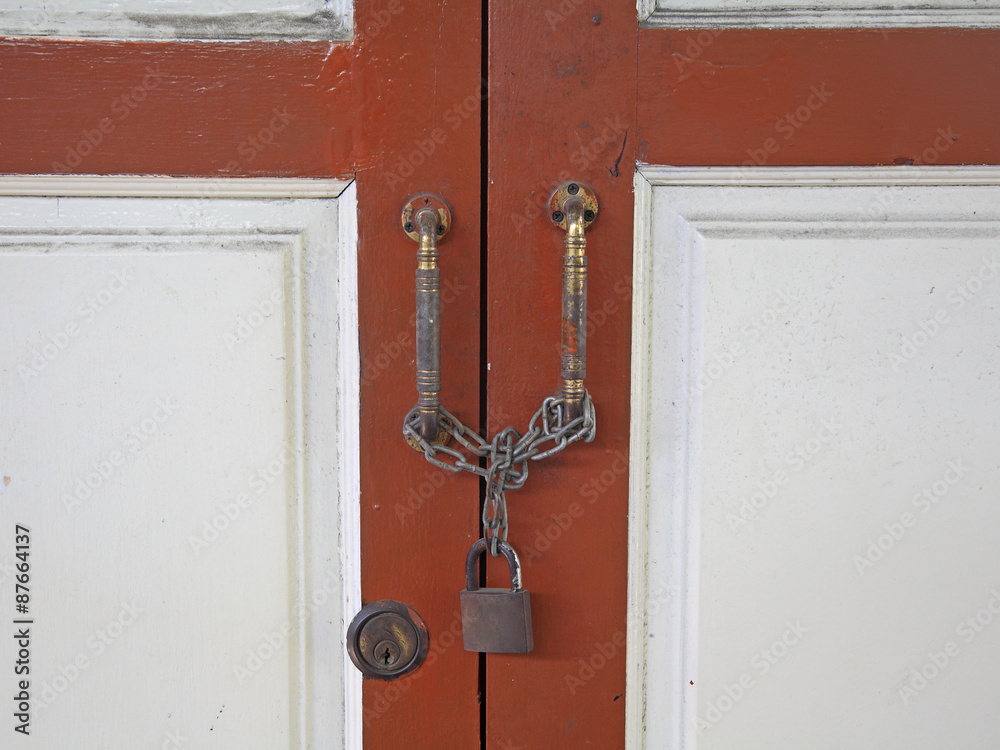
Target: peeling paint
(333,22)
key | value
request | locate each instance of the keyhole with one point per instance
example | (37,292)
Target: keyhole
(386,654)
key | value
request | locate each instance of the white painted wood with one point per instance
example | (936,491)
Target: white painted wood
(130,186)
(821,176)
(194,360)
(321,20)
(350,471)
(636,656)
(706,14)
(813,349)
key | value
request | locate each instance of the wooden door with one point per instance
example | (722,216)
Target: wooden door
(653,614)
(657,624)
(225,182)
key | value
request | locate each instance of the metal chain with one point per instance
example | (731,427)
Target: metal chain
(507,455)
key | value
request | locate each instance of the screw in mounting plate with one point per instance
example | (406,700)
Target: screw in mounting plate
(412,221)
(566,197)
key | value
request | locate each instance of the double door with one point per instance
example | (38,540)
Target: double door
(782,533)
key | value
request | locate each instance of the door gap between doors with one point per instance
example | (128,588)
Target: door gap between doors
(484,175)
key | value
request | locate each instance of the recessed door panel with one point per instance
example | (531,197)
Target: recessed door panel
(814,414)
(177,412)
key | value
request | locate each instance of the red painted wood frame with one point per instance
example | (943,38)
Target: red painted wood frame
(576,91)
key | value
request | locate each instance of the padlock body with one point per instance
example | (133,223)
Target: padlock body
(497,621)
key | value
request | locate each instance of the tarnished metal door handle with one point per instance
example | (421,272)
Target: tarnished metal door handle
(560,421)
(573,207)
(426,219)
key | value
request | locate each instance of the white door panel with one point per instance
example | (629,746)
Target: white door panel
(816,390)
(324,20)
(705,14)
(178,422)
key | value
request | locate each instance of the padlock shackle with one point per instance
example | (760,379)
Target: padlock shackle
(472,565)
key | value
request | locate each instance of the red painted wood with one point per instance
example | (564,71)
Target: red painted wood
(179,109)
(562,101)
(418,521)
(398,108)
(819,97)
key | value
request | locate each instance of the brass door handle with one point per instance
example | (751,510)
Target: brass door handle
(426,220)
(560,421)
(573,206)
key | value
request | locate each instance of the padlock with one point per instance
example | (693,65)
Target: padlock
(495,621)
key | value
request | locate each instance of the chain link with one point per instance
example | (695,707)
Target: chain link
(507,455)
